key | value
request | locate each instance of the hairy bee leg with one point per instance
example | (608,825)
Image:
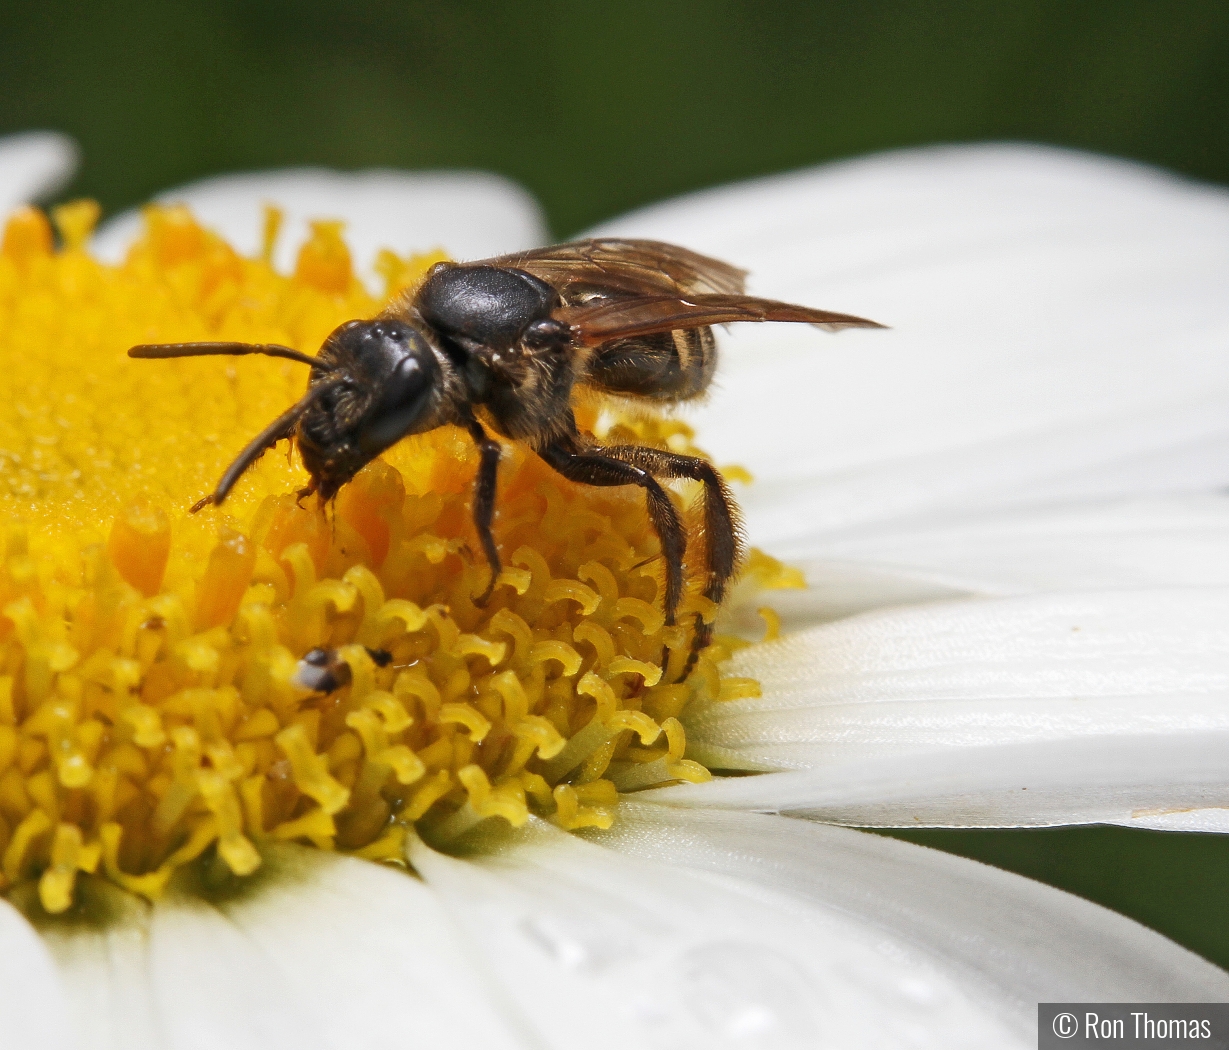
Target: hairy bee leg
(722,528)
(301,494)
(202,503)
(594,467)
(484,502)
(721,522)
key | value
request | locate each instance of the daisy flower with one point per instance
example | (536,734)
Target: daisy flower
(503,829)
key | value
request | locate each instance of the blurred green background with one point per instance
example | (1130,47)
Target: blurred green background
(599,107)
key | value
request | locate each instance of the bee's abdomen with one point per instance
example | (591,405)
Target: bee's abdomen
(667,366)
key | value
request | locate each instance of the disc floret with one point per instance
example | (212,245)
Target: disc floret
(176,686)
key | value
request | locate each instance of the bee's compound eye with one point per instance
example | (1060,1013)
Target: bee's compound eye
(403,383)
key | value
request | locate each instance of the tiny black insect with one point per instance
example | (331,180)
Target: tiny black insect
(503,343)
(324,671)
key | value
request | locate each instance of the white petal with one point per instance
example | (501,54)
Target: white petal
(1046,709)
(33,166)
(1213,819)
(175,975)
(1156,542)
(1178,448)
(603,950)
(969,673)
(1135,781)
(1040,344)
(214,986)
(1011,940)
(104,968)
(33,1006)
(319,952)
(371,958)
(471,214)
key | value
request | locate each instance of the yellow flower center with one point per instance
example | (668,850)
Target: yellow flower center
(154,701)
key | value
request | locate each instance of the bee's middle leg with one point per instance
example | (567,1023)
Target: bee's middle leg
(484,502)
(593,467)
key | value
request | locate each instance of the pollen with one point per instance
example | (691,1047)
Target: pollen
(174,686)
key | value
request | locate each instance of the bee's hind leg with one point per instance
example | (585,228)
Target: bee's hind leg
(722,528)
(484,502)
(594,466)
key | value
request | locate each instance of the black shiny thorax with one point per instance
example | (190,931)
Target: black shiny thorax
(494,325)
(483,306)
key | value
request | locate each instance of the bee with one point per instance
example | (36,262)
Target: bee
(504,344)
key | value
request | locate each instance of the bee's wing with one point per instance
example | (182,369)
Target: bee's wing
(616,267)
(609,319)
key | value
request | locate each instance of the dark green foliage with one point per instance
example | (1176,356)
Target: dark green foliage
(599,107)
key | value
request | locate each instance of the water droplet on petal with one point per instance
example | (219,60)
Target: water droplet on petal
(576,944)
(749,995)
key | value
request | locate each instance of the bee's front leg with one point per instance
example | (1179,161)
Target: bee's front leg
(484,501)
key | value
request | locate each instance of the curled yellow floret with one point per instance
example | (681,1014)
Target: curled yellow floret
(154,705)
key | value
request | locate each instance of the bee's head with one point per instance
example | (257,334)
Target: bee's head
(378,379)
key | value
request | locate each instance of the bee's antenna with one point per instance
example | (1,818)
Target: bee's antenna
(152,350)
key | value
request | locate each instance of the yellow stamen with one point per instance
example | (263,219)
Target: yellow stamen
(772,621)
(27,236)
